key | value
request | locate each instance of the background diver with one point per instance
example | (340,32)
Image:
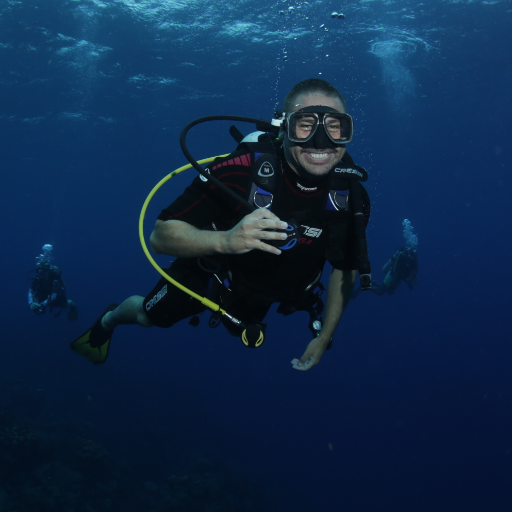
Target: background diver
(47,289)
(402,266)
(234,258)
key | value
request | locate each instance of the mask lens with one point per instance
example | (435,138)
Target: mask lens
(338,127)
(301,127)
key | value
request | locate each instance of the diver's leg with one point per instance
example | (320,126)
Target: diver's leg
(165,304)
(130,311)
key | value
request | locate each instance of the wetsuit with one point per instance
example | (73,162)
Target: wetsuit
(258,278)
(48,289)
(403,266)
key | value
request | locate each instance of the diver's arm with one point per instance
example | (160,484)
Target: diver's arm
(35,306)
(386,266)
(391,262)
(182,240)
(32,298)
(341,284)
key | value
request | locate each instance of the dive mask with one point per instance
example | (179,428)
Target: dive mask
(302,125)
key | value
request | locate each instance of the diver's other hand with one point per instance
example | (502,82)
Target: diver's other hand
(252,232)
(37,308)
(311,357)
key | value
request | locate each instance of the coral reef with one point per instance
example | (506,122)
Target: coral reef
(208,486)
(49,464)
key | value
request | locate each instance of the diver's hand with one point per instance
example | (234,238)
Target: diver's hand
(252,232)
(311,357)
(37,308)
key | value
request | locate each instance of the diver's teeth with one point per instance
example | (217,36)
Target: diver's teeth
(319,156)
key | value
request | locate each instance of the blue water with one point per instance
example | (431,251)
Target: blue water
(410,411)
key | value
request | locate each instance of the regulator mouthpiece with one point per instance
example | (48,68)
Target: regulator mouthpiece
(253,335)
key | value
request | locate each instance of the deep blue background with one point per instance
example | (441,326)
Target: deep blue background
(412,408)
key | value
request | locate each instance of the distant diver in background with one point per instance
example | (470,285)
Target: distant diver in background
(47,289)
(402,266)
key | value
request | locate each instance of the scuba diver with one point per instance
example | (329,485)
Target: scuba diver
(308,207)
(402,266)
(47,289)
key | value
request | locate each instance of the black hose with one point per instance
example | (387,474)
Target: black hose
(261,125)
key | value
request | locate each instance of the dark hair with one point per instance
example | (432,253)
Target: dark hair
(312,86)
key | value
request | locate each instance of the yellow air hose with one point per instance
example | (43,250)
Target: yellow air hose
(206,302)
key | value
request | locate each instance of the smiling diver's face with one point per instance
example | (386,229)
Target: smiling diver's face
(317,162)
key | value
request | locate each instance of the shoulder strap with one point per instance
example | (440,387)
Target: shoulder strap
(266,171)
(363,263)
(342,175)
(348,170)
(346,184)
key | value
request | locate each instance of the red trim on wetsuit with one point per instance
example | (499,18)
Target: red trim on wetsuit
(244,160)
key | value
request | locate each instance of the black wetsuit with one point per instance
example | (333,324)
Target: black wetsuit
(48,282)
(406,265)
(264,278)
(403,266)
